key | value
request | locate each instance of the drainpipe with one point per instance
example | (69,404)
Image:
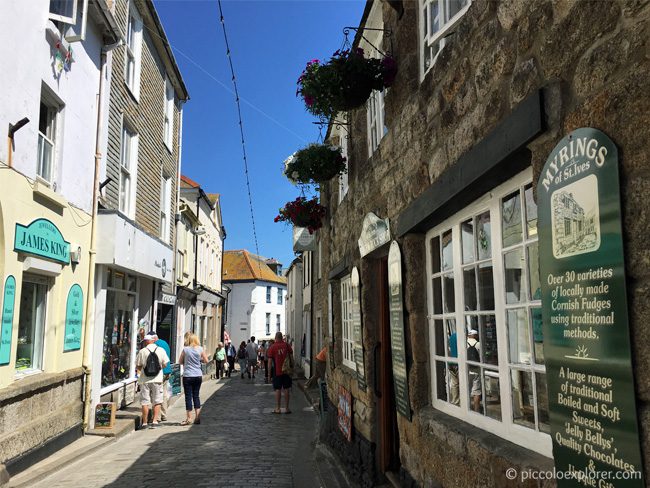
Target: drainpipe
(90,290)
(177,221)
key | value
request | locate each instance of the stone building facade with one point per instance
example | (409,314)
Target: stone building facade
(482,96)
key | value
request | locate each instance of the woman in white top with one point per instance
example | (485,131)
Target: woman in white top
(191,359)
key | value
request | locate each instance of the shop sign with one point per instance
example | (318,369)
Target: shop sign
(303,240)
(374,234)
(175,379)
(167,299)
(7,319)
(397,342)
(585,316)
(357,331)
(73,319)
(42,238)
(162,265)
(344,415)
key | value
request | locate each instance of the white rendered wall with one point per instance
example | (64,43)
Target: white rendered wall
(29,61)
(261,308)
(239,307)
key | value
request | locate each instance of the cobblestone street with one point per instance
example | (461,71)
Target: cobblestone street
(239,443)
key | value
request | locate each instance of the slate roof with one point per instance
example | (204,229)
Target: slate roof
(243,266)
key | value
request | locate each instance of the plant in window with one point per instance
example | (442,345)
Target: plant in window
(315,163)
(303,213)
(344,82)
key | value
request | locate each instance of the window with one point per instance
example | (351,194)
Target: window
(268,324)
(279,296)
(133,51)
(31,323)
(63,11)
(346,321)
(277,322)
(485,316)
(128,164)
(343,179)
(180,265)
(165,207)
(169,113)
(47,132)
(268,294)
(438,19)
(319,267)
(375,117)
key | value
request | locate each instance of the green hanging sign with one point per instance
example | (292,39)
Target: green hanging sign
(42,238)
(585,317)
(73,319)
(6,328)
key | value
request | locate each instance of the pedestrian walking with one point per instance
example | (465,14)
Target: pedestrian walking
(167,371)
(191,358)
(231,353)
(219,359)
(251,352)
(149,363)
(242,358)
(261,356)
(278,353)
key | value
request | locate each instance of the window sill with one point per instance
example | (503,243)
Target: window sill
(43,189)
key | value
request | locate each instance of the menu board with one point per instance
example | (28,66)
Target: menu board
(395,302)
(104,415)
(357,331)
(175,379)
(585,316)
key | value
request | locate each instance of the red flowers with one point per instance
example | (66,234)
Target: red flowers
(303,213)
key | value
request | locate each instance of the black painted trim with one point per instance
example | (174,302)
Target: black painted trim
(340,269)
(27,460)
(495,159)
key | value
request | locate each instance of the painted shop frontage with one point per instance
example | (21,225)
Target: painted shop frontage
(489,326)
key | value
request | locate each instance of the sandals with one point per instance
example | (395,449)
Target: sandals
(186,422)
(197,421)
(277,412)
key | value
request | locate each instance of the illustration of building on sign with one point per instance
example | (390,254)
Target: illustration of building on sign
(575,218)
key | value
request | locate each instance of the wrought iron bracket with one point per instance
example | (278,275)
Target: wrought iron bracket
(359,31)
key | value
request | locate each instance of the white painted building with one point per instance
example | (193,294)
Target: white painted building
(294,310)
(256,302)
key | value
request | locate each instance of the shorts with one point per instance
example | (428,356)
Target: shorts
(252,362)
(151,393)
(282,382)
(476,386)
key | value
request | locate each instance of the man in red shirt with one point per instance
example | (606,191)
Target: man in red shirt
(276,355)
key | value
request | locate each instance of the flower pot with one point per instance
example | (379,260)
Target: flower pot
(354,93)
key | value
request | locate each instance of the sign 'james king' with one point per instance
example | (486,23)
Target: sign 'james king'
(584,305)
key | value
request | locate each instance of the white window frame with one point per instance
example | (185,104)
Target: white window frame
(343,179)
(48,139)
(347,332)
(278,322)
(430,39)
(64,18)
(279,297)
(133,51)
(169,114)
(128,169)
(165,207)
(40,334)
(268,323)
(375,120)
(506,428)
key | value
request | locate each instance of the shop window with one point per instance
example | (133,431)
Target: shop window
(47,136)
(485,316)
(31,324)
(119,328)
(437,22)
(346,321)
(268,324)
(128,168)
(268,294)
(133,51)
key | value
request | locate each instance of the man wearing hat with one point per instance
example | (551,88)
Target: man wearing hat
(474,355)
(151,390)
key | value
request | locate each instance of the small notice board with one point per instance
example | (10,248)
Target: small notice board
(105,415)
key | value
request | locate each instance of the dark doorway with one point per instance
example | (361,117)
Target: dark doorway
(164,329)
(388,452)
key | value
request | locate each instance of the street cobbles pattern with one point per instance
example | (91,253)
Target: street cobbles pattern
(239,444)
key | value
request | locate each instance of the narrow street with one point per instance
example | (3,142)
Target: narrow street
(239,443)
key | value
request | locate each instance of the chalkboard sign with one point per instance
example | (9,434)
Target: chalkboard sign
(105,415)
(322,390)
(175,379)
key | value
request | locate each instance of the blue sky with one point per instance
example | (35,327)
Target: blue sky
(270,42)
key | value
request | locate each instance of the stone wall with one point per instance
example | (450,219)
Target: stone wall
(38,409)
(591,61)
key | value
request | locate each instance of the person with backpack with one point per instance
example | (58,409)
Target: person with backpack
(281,354)
(150,361)
(242,358)
(231,353)
(191,358)
(473,355)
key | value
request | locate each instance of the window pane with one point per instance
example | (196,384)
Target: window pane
(523,411)
(64,8)
(533,272)
(447,251)
(542,403)
(531,212)
(441,381)
(538,335)
(456,6)
(511,219)
(437,296)
(434,17)
(473,341)
(475,388)
(492,394)
(435,254)
(469,288)
(485,287)
(518,336)
(29,350)
(449,305)
(484,236)
(514,279)
(452,338)
(488,339)
(467,239)
(453,384)
(440,341)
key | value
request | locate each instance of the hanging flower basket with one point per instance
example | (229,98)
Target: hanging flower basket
(315,163)
(344,82)
(303,213)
